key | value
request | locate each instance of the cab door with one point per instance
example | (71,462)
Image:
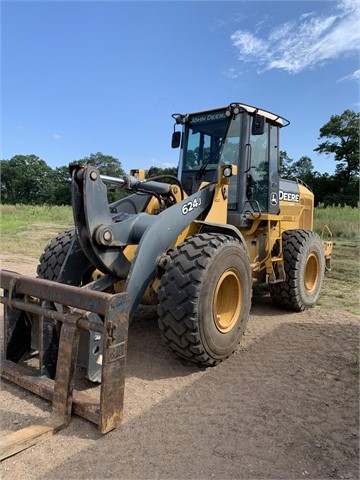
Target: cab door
(262,185)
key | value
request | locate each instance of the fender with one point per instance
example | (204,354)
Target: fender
(228,229)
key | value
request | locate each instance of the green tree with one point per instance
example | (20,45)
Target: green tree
(157,171)
(329,191)
(106,164)
(341,134)
(301,169)
(26,179)
(285,165)
(62,186)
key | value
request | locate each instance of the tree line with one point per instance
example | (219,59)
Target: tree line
(28,179)
(340,139)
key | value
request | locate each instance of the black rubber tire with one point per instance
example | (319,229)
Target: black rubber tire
(304,264)
(194,287)
(52,260)
(77,271)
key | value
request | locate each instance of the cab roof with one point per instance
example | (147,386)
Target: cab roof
(273,117)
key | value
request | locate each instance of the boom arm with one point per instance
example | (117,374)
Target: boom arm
(103,240)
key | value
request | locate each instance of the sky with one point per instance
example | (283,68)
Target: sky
(80,77)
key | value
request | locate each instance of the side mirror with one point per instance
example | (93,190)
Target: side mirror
(258,125)
(176,139)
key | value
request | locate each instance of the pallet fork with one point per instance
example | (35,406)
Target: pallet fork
(27,299)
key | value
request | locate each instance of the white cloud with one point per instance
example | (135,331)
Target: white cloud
(281,31)
(217,24)
(230,72)
(306,43)
(353,76)
(248,44)
(56,136)
(305,15)
(168,165)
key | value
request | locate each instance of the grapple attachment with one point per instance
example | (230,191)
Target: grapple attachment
(29,305)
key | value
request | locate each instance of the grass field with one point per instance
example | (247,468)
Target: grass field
(341,284)
(26,229)
(344,222)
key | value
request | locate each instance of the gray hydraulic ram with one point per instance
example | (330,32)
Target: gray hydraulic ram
(103,239)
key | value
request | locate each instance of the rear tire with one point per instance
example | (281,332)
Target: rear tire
(304,265)
(205,298)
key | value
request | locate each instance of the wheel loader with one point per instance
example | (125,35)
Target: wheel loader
(194,244)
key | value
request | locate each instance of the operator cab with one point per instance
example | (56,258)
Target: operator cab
(241,135)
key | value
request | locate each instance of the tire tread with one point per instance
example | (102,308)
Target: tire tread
(287,294)
(178,293)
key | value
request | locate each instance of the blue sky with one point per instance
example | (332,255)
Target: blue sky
(82,77)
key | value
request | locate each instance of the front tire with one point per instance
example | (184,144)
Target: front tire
(62,261)
(304,265)
(205,298)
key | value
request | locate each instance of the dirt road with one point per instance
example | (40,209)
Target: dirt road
(284,406)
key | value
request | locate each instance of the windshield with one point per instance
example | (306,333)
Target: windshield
(204,138)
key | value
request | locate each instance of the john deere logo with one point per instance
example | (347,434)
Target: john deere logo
(273,199)
(289,196)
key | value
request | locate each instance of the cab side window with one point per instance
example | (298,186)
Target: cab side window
(258,174)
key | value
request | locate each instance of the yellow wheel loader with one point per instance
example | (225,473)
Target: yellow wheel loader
(194,245)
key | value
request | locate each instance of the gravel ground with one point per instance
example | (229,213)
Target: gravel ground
(284,406)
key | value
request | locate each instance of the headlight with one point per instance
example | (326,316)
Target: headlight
(227,172)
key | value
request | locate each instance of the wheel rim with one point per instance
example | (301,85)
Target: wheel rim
(311,272)
(227,301)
